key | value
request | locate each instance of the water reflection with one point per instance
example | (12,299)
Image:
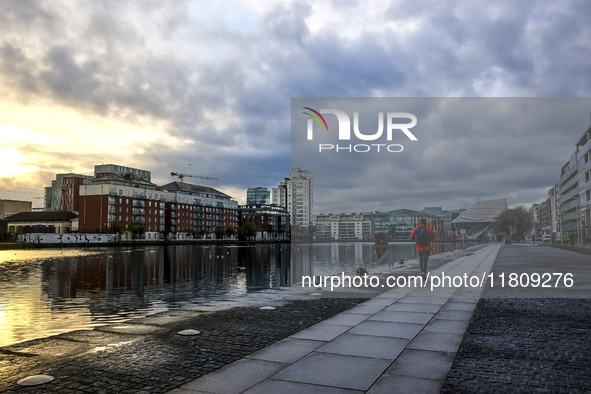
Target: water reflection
(334,258)
(52,291)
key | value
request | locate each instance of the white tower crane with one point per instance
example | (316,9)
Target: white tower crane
(181,176)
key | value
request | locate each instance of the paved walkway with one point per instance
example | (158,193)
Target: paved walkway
(403,340)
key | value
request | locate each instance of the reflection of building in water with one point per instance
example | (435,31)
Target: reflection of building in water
(301,262)
(267,266)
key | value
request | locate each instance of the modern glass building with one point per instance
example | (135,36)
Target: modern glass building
(399,224)
(258,196)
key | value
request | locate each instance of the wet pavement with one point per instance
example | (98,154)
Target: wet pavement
(401,340)
(529,339)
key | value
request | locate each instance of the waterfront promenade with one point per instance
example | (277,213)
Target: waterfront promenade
(403,340)
(407,340)
(446,339)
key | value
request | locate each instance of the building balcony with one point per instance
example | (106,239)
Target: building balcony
(139,211)
(173,215)
(139,220)
(139,203)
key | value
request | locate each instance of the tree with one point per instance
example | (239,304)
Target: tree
(247,231)
(138,230)
(516,221)
(230,231)
(117,228)
(219,233)
(192,233)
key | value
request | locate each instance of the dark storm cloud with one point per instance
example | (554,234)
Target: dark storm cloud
(227,89)
(468,149)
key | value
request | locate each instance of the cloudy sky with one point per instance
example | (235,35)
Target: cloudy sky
(206,87)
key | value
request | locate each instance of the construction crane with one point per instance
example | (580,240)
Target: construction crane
(181,176)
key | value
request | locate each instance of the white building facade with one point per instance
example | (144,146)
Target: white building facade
(296,194)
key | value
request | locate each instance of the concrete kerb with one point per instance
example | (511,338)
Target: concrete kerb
(390,342)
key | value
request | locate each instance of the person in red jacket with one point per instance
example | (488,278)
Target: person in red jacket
(423,235)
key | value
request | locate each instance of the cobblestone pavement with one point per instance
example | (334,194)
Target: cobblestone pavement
(532,341)
(525,345)
(148,356)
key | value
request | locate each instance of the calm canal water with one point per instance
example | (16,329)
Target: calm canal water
(47,292)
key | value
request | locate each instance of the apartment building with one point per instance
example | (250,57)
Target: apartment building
(197,209)
(115,202)
(344,227)
(63,194)
(270,221)
(296,194)
(584,184)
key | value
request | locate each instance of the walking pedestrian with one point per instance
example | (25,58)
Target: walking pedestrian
(423,235)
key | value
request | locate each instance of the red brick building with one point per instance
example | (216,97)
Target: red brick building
(121,202)
(201,209)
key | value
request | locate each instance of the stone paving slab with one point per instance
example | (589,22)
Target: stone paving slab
(422,364)
(387,329)
(366,346)
(322,332)
(280,386)
(389,384)
(288,350)
(447,326)
(441,342)
(413,307)
(245,374)
(349,372)
(348,319)
(403,317)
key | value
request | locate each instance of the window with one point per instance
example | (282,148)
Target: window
(120,192)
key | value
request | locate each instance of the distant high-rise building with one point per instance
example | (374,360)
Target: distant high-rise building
(258,196)
(64,192)
(296,194)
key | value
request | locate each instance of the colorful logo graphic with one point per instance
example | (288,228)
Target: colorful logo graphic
(315,118)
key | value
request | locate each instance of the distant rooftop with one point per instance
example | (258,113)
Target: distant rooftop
(198,190)
(42,216)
